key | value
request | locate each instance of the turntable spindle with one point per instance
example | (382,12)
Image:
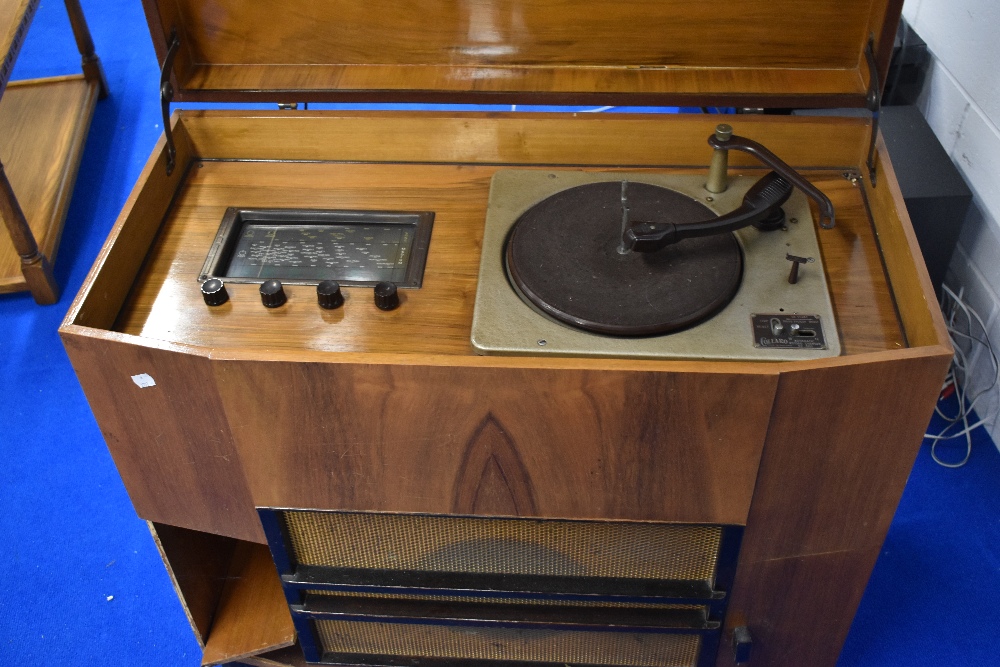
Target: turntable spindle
(622,248)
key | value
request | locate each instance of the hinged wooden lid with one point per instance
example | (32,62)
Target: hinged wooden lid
(748,53)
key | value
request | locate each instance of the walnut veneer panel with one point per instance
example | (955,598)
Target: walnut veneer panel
(473,46)
(521,442)
(252,616)
(918,310)
(839,450)
(110,279)
(632,86)
(166,303)
(229,590)
(170,442)
(645,140)
(198,564)
(865,310)
(498,32)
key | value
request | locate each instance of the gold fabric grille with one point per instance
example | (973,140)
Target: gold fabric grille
(504,546)
(513,600)
(558,646)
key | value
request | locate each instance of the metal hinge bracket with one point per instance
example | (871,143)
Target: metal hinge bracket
(874,101)
(167,96)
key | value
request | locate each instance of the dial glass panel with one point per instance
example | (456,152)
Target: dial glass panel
(309,246)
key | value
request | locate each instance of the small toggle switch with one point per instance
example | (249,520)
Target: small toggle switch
(272,294)
(793,276)
(777,328)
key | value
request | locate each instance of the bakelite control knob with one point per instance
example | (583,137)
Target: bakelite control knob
(214,292)
(386,296)
(272,294)
(328,294)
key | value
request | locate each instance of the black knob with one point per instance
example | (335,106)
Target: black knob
(272,294)
(328,294)
(386,297)
(214,292)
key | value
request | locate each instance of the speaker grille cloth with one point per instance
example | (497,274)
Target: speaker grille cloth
(559,602)
(504,546)
(554,646)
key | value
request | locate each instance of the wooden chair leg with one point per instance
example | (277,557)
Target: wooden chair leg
(35,266)
(92,68)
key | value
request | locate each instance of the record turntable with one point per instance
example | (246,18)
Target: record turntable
(563,272)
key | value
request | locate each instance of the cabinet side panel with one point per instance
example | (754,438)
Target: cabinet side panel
(499,441)
(918,309)
(116,267)
(839,450)
(198,564)
(163,421)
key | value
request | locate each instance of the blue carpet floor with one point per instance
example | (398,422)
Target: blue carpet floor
(82,583)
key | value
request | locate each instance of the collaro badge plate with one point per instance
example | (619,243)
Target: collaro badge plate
(781,331)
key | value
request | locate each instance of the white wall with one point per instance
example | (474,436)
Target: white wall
(961,101)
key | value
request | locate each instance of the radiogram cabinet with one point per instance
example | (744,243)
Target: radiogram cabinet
(240,430)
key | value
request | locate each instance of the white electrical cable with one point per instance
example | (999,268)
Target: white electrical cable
(958,376)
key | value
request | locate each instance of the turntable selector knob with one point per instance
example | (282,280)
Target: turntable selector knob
(328,294)
(386,296)
(214,292)
(272,294)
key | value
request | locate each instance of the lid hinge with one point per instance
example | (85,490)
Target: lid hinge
(874,100)
(167,96)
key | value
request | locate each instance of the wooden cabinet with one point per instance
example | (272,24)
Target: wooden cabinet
(213,412)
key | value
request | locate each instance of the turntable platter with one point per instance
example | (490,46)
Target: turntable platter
(565,258)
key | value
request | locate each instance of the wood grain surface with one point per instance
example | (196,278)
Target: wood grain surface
(620,139)
(166,303)
(252,616)
(44,125)
(171,440)
(839,450)
(918,310)
(549,443)
(115,268)
(198,564)
(35,267)
(285,657)
(476,47)
(15,19)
